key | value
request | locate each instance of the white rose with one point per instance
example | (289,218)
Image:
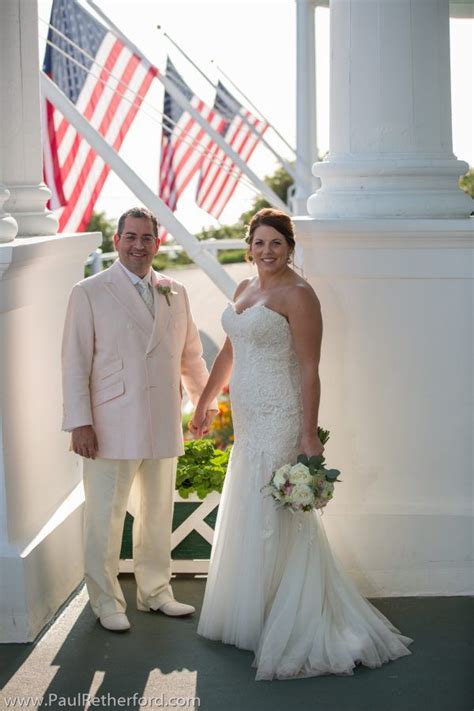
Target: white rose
(281,476)
(301,495)
(300,474)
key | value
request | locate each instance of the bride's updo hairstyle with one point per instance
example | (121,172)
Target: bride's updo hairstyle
(277,219)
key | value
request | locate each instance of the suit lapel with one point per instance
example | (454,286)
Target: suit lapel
(128,297)
(162,315)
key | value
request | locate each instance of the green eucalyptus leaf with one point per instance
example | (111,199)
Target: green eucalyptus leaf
(323,435)
(332,474)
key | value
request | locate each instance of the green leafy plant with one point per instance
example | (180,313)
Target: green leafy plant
(201,469)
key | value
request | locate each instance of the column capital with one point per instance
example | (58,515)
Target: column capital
(391,149)
(21,165)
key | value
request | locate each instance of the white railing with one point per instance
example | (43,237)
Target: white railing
(213,246)
(194,522)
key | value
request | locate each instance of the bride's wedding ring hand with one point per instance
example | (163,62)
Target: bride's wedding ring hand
(311,446)
(201,423)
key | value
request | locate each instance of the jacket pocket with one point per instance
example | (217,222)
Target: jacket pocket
(108,393)
(111,368)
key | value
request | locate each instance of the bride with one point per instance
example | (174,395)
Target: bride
(274,586)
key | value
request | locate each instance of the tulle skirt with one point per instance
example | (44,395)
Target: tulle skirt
(276,588)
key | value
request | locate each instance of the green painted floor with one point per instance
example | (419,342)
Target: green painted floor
(163,660)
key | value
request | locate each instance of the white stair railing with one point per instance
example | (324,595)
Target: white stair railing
(213,246)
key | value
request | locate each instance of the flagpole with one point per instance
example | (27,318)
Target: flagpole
(193,246)
(172,89)
(253,106)
(288,167)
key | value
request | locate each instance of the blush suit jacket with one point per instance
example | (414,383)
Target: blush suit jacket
(122,369)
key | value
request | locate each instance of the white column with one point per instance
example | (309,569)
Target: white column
(8,225)
(389,249)
(21,169)
(306,149)
(391,144)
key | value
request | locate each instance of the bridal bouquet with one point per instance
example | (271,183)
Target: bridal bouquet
(303,486)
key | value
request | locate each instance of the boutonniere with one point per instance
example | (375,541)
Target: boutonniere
(164,287)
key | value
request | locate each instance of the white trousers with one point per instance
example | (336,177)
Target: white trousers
(108,485)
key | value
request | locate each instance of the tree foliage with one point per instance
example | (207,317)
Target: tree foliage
(280,182)
(99,222)
(466,183)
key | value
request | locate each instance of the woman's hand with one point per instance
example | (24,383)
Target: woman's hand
(201,422)
(197,421)
(311,446)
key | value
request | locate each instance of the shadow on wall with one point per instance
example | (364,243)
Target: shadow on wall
(210,349)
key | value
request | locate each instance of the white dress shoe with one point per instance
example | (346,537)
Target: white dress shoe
(117,622)
(173,608)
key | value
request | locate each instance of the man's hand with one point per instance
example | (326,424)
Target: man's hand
(84,441)
(200,424)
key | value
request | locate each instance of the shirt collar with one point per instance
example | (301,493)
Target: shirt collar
(134,278)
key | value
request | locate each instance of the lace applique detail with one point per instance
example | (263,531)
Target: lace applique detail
(265,386)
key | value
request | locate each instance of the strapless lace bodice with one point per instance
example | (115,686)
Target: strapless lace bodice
(265,386)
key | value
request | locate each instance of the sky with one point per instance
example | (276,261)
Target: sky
(253,41)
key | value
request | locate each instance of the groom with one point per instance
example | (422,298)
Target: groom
(129,339)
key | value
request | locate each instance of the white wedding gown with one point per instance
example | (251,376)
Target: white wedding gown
(274,586)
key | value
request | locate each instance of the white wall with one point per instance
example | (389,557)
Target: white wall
(40,537)
(397,386)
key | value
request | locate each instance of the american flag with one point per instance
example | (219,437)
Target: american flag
(183,140)
(219,175)
(107,90)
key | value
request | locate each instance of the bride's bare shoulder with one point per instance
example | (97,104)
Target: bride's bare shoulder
(242,286)
(301,296)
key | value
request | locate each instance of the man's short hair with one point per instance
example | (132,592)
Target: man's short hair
(142,212)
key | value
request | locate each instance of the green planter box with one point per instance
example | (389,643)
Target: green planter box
(194,521)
